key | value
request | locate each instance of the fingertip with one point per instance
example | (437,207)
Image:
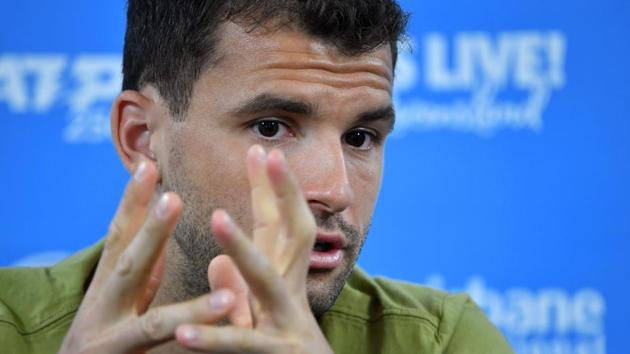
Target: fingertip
(276,158)
(221,300)
(277,168)
(222,226)
(255,162)
(168,205)
(145,170)
(177,204)
(139,190)
(138,194)
(216,268)
(140,173)
(219,217)
(187,334)
(256,152)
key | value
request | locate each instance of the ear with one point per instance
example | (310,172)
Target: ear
(131,128)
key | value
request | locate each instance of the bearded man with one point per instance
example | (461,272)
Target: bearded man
(255,132)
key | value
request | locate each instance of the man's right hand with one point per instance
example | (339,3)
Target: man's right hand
(113,316)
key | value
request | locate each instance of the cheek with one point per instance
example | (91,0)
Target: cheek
(365,178)
(210,173)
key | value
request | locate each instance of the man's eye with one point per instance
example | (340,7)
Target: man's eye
(270,129)
(360,139)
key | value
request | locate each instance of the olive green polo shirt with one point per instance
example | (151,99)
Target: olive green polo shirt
(372,315)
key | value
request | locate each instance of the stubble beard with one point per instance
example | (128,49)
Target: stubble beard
(196,246)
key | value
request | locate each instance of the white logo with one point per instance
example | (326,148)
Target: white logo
(85,86)
(543,321)
(478,82)
(473,82)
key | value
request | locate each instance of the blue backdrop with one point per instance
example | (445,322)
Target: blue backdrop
(507,176)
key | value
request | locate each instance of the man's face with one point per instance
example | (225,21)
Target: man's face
(327,112)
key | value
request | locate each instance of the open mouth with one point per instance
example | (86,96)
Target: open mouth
(327,252)
(322,246)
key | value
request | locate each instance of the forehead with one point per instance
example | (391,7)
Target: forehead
(294,66)
(287,48)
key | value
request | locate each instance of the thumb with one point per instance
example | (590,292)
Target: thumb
(223,274)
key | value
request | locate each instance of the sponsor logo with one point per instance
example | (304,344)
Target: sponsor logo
(478,82)
(84,86)
(475,82)
(541,321)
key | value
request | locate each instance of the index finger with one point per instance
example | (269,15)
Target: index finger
(129,217)
(300,222)
(264,208)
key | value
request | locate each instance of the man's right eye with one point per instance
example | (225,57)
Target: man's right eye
(271,129)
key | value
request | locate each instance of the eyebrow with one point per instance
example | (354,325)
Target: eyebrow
(386,114)
(266,102)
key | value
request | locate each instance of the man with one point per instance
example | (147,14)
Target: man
(239,116)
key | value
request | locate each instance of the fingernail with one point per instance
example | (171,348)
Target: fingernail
(141,171)
(258,150)
(190,334)
(229,223)
(283,161)
(220,299)
(161,209)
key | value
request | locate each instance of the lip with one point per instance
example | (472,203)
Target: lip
(331,258)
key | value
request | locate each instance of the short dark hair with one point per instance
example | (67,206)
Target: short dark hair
(169,43)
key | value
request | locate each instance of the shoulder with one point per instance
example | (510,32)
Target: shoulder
(35,303)
(419,316)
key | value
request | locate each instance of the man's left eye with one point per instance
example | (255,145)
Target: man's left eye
(360,139)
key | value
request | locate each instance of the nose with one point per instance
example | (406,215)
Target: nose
(325,181)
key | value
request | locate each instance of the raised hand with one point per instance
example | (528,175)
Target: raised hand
(274,263)
(113,317)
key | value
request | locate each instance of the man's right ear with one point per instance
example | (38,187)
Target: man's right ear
(131,125)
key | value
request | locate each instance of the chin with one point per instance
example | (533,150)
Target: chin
(324,286)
